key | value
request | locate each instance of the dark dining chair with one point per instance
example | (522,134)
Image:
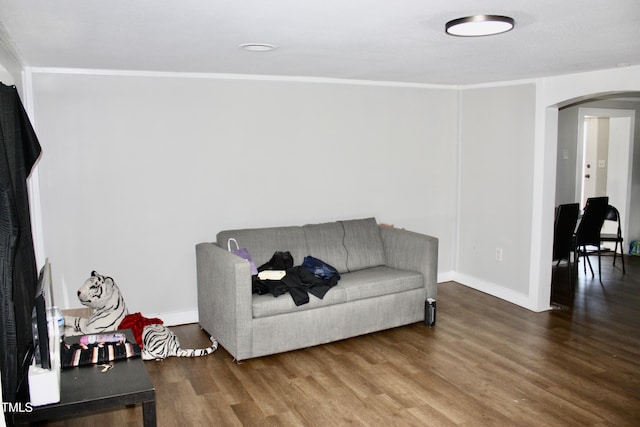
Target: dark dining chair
(614,215)
(588,232)
(564,227)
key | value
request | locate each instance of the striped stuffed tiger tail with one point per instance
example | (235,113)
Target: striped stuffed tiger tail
(197,352)
(159,342)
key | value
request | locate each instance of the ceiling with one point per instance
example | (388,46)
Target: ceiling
(379,40)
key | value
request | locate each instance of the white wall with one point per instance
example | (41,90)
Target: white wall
(5,77)
(521,281)
(10,67)
(138,169)
(497,140)
(567,153)
(122,152)
(10,64)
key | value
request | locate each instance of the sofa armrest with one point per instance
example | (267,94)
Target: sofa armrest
(412,251)
(224,297)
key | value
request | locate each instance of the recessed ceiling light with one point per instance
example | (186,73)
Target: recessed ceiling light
(258,47)
(479,25)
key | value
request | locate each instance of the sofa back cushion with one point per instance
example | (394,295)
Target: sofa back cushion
(263,242)
(324,242)
(364,244)
(346,245)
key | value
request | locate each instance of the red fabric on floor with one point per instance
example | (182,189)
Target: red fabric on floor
(136,322)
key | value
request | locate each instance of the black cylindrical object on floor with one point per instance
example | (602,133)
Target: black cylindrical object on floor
(430,312)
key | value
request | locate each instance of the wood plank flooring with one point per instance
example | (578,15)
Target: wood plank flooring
(486,363)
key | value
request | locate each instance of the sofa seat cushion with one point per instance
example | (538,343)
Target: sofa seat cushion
(268,305)
(361,284)
(378,281)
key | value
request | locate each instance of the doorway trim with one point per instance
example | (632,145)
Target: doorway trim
(553,93)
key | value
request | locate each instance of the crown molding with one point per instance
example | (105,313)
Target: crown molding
(229,76)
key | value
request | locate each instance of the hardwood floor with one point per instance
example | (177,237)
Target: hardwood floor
(486,363)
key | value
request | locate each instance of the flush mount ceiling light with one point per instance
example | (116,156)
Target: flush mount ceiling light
(258,47)
(479,25)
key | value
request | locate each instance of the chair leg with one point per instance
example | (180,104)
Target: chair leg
(586,256)
(576,261)
(599,265)
(570,270)
(615,254)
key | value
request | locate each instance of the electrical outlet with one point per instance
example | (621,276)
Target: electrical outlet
(499,254)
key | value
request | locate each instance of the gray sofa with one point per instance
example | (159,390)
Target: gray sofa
(386,276)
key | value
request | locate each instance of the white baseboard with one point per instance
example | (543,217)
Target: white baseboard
(176,318)
(446,276)
(495,290)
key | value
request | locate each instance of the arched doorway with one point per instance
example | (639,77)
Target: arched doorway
(614,161)
(552,94)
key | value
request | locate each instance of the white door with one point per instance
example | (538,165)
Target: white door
(592,175)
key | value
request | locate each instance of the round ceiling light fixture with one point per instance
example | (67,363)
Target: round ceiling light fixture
(479,25)
(258,47)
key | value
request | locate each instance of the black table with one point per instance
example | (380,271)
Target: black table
(88,389)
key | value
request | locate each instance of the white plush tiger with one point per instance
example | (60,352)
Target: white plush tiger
(103,295)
